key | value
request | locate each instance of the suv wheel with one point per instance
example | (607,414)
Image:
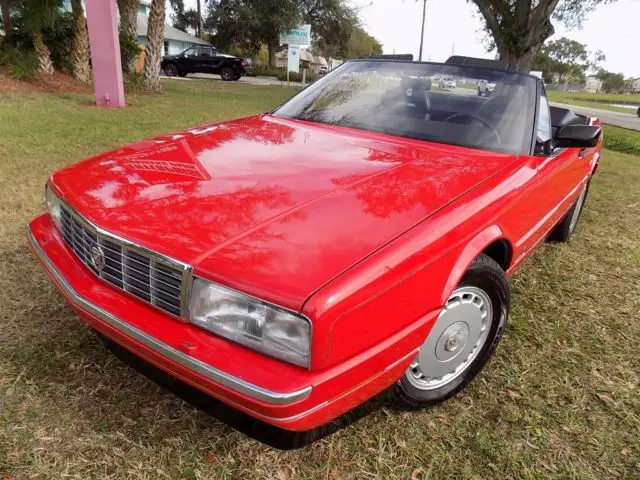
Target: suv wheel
(227,74)
(462,339)
(171,70)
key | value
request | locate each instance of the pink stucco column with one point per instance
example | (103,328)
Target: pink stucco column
(102,23)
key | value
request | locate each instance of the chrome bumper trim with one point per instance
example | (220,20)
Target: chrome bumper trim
(236,384)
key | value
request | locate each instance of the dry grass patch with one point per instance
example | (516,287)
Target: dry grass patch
(560,399)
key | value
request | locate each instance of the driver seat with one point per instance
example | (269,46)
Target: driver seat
(417,101)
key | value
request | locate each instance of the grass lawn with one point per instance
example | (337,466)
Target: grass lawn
(560,399)
(603,101)
(622,139)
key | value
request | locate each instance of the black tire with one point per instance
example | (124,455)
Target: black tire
(237,77)
(171,70)
(484,274)
(227,74)
(564,230)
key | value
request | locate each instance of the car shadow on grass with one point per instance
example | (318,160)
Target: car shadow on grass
(258,430)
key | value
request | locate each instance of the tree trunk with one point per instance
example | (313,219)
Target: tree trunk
(128,16)
(518,33)
(80,63)
(45,65)
(6,17)
(153,48)
(128,22)
(273,49)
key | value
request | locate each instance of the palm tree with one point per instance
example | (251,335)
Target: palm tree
(128,20)
(43,55)
(80,64)
(153,48)
(38,13)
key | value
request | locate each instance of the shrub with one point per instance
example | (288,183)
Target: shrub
(297,77)
(19,54)
(22,63)
(133,82)
(267,71)
(129,50)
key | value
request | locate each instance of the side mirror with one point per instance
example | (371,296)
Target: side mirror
(577,136)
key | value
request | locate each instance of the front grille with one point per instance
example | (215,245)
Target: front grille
(142,273)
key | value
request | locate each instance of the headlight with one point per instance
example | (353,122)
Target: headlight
(53,205)
(268,329)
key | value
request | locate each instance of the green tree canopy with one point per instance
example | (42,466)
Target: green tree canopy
(611,82)
(519,28)
(566,61)
(248,24)
(361,44)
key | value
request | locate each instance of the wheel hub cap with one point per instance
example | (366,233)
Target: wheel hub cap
(455,340)
(452,340)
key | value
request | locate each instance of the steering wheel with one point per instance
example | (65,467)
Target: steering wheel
(477,119)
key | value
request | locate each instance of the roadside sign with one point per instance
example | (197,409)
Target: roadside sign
(301,35)
(293,58)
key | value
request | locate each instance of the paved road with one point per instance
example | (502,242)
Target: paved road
(619,119)
(245,80)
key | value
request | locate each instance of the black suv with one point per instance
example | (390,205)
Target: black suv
(203,59)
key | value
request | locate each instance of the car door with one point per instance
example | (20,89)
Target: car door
(216,61)
(561,172)
(190,59)
(205,60)
(555,176)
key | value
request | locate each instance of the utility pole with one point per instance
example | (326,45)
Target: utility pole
(199,15)
(424,12)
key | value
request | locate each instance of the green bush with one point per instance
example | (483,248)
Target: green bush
(622,140)
(133,82)
(267,71)
(129,50)
(19,55)
(297,77)
(22,63)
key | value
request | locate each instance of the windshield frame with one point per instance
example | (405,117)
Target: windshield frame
(529,133)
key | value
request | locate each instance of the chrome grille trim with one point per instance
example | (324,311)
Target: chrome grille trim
(149,276)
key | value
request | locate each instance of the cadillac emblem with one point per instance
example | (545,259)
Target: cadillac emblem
(97,258)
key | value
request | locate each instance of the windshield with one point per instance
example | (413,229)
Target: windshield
(405,99)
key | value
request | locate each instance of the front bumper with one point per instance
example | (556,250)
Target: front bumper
(280,394)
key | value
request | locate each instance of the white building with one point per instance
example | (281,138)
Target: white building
(593,85)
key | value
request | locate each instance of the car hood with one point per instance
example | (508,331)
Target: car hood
(269,206)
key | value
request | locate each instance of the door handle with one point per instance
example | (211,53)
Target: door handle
(583,153)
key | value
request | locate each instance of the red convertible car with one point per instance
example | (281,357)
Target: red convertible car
(359,237)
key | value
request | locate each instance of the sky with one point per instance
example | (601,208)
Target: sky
(456,25)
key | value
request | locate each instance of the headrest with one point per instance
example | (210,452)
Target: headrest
(415,86)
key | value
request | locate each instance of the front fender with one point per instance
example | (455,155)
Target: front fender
(469,253)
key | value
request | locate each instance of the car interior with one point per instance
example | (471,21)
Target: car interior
(414,107)
(561,117)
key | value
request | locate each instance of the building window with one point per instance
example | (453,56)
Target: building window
(166,47)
